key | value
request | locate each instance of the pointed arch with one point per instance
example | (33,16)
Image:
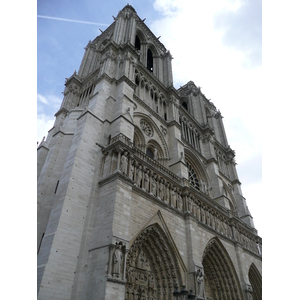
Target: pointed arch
(221,280)
(152,266)
(139,139)
(196,170)
(152,144)
(255,279)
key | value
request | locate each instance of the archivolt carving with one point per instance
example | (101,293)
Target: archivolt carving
(256,282)
(220,271)
(152,267)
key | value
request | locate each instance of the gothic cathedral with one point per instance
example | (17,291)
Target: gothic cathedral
(138,194)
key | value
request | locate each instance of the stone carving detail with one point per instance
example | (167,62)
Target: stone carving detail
(117,263)
(163,130)
(124,163)
(200,284)
(150,267)
(146,128)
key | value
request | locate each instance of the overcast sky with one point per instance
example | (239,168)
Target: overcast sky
(216,44)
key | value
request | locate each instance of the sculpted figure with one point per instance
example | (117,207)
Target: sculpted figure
(179,201)
(124,163)
(202,215)
(195,209)
(167,194)
(146,181)
(173,197)
(118,257)
(200,284)
(155,153)
(161,189)
(153,186)
(131,171)
(207,218)
(139,175)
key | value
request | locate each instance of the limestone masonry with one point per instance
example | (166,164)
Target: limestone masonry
(138,193)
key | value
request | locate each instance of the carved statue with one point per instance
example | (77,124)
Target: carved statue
(207,218)
(200,284)
(124,163)
(146,181)
(139,175)
(153,186)
(179,201)
(155,153)
(173,197)
(131,171)
(117,260)
(167,193)
(161,189)
(202,215)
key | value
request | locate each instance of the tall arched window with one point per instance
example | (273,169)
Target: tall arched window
(193,177)
(150,60)
(137,44)
(150,153)
(184,104)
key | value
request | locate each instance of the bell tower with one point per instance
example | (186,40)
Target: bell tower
(138,193)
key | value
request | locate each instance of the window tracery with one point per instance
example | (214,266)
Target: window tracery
(193,180)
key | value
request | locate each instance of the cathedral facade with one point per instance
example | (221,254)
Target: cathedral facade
(138,194)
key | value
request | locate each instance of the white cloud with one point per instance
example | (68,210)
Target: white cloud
(42,99)
(44,124)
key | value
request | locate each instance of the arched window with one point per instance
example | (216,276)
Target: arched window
(193,177)
(150,60)
(184,104)
(150,153)
(137,44)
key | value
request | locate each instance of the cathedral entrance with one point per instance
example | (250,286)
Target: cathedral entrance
(152,270)
(256,282)
(221,281)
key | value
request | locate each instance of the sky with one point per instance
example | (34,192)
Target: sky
(216,44)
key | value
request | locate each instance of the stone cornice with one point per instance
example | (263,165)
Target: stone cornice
(62,109)
(41,145)
(87,111)
(126,80)
(62,132)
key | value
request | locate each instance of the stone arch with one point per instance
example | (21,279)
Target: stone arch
(162,142)
(256,282)
(196,164)
(152,144)
(152,267)
(220,277)
(139,139)
(141,35)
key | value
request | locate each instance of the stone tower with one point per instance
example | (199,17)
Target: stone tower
(138,193)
